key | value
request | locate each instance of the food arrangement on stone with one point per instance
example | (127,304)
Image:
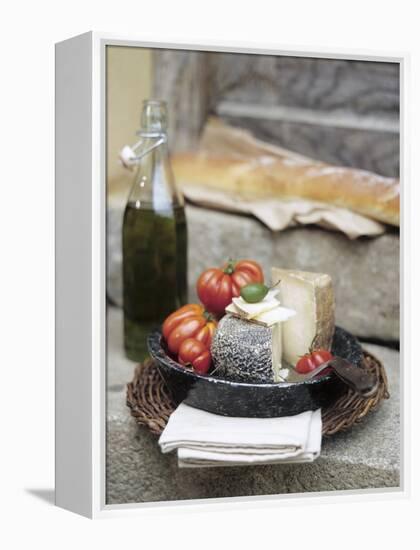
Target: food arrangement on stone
(247,331)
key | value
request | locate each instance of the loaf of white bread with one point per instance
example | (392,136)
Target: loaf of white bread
(257,172)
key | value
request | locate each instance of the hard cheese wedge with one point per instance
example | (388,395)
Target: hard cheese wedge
(311,295)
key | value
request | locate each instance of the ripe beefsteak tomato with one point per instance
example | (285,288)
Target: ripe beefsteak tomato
(216,287)
(195,353)
(190,321)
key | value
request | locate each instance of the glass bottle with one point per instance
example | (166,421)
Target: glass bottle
(154,237)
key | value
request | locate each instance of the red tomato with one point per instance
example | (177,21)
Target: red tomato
(190,321)
(310,361)
(195,353)
(216,287)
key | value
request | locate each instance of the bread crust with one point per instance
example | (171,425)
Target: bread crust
(269,177)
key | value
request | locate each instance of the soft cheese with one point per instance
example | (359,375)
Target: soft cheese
(253,310)
(268,318)
(245,351)
(311,295)
(277,315)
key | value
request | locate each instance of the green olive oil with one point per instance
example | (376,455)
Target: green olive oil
(155,271)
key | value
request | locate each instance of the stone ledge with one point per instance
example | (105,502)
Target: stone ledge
(138,472)
(365,457)
(365,271)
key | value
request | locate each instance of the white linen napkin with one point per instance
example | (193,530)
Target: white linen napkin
(205,439)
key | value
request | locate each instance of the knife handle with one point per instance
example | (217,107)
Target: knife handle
(362,382)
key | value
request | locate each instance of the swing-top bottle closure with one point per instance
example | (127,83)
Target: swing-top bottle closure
(153,125)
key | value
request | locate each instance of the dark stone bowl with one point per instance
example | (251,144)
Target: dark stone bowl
(227,398)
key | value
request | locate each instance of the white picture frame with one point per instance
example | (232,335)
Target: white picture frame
(81,272)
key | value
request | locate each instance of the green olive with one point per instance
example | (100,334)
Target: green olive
(254,292)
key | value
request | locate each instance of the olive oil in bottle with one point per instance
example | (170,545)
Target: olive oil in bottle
(154,237)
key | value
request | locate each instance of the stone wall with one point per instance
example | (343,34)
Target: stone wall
(340,111)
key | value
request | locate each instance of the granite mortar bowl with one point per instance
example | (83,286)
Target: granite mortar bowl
(228,398)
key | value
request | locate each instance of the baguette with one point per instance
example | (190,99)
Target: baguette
(288,178)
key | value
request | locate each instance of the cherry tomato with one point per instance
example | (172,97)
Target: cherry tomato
(190,321)
(305,364)
(216,287)
(312,360)
(320,356)
(195,353)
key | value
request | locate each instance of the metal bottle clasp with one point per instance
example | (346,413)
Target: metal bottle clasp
(129,156)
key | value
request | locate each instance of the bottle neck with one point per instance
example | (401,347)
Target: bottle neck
(154,186)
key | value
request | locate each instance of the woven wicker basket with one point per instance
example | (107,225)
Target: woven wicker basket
(151,404)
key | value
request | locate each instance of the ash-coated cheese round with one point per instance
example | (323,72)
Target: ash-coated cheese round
(242,351)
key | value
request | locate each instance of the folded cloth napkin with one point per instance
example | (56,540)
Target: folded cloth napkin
(205,439)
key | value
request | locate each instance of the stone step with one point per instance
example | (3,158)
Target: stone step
(365,457)
(365,271)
